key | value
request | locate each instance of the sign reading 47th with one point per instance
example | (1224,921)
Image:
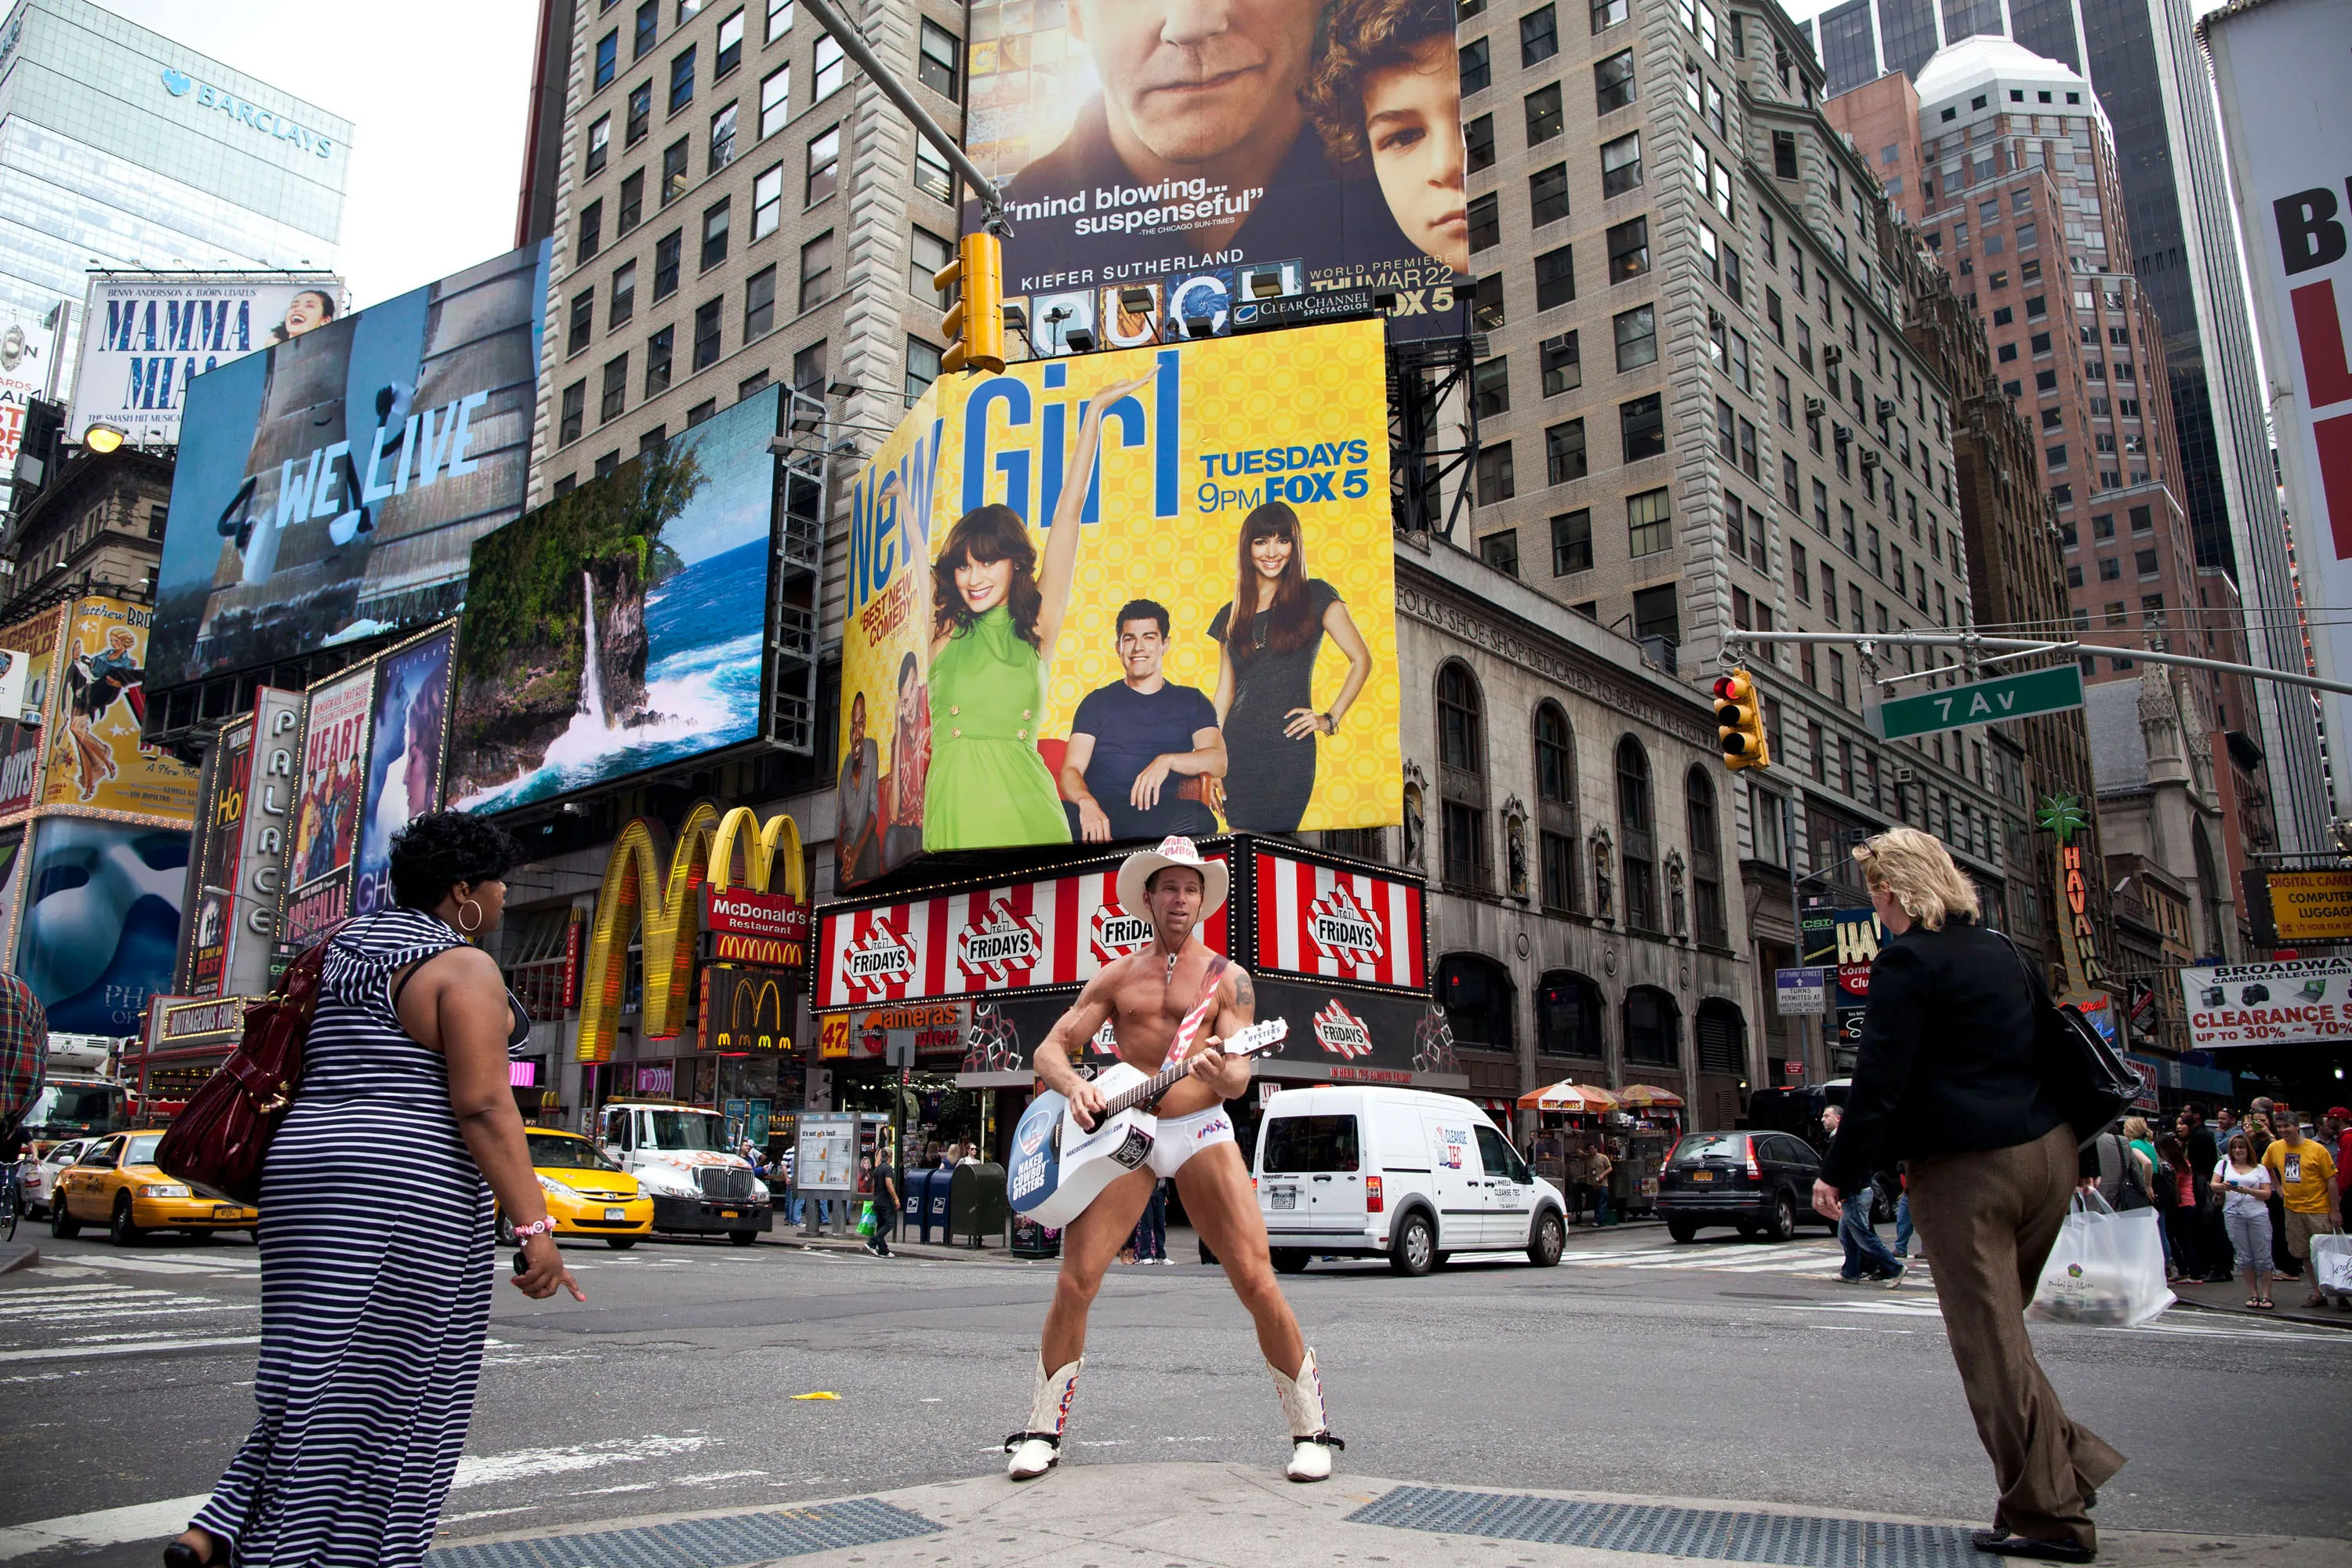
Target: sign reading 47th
(1983,702)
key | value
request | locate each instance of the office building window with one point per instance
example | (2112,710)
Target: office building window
(816,270)
(1478,143)
(616,389)
(574,413)
(667,251)
(722,139)
(1485,222)
(1564,452)
(940,61)
(706,333)
(600,143)
(1629,249)
(922,368)
(1501,551)
(1548,194)
(730,47)
(659,350)
(674,180)
(625,295)
(932,177)
(608,59)
(1621,165)
(715,222)
(1496,480)
(767,201)
(776,99)
(1649,523)
(1538,36)
(591,225)
(1490,385)
(830,71)
(583,321)
(824,166)
(759,303)
(1544,118)
(1637,337)
(1555,278)
(681,80)
(1563,371)
(1476,73)
(633,201)
(1571,543)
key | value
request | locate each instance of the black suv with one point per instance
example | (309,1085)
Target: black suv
(1760,1182)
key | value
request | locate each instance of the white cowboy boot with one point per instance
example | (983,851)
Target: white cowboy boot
(1310,1433)
(1039,1448)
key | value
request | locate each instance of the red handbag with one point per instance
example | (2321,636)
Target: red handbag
(218,1142)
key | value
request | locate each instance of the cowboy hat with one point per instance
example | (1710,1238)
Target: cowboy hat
(1135,873)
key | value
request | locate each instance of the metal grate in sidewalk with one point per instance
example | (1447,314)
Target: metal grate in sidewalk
(720,1543)
(1713,1535)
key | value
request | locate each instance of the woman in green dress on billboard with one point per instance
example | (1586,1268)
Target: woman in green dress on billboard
(996,617)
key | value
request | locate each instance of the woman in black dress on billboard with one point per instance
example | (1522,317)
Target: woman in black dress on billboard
(1268,638)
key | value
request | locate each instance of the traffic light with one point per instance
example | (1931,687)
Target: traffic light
(975,327)
(1740,722)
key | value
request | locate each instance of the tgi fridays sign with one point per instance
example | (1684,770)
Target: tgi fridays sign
(2304,1000)
(1336,924)
(1049,931)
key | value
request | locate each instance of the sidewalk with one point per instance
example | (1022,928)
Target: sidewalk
(2290,1295)
(1246,1516)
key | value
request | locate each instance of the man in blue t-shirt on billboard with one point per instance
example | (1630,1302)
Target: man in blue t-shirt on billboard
(1127,738)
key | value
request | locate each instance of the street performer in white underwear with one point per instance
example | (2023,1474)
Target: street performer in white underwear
(1144,997)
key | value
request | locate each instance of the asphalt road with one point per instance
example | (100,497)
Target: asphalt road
(1723,1370)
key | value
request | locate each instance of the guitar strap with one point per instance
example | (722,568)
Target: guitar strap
(1182,1046)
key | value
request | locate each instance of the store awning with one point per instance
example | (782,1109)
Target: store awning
(1568,1098)
(1645,1096)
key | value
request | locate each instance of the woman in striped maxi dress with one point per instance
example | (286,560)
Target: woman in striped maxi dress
(376,1245)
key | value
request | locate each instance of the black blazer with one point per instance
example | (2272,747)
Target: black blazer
(1949,1060)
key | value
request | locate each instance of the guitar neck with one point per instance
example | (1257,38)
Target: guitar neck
(1248,1043)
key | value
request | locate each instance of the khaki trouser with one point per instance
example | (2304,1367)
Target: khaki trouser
(2301,1228)
(1989,1220)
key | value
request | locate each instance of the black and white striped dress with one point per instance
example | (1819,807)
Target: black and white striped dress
(376,1264)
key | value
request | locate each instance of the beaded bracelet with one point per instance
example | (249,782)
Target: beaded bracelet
(542,1227)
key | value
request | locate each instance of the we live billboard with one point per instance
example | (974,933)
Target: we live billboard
(1319,146)
(1110,598)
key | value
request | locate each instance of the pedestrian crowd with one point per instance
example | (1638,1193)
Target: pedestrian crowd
(2244,1196)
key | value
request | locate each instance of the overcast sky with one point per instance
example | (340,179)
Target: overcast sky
(436,92)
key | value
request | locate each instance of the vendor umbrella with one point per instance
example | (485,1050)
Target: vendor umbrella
(1643,1097)
(1570,1099)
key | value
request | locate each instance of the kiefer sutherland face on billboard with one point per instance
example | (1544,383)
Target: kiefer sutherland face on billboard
(1184,144)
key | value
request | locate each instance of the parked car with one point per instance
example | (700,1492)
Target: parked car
(1758,1183)
(588,1193)
(1399,1172)
(37,1175)
(117,1184)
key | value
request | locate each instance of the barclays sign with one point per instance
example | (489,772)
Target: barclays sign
(179,84)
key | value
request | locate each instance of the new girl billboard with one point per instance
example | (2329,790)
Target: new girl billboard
(1115,598)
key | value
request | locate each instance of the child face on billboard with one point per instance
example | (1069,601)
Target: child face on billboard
(1195,80)
(1413,115)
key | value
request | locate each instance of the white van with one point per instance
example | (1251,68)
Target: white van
(1363,1172)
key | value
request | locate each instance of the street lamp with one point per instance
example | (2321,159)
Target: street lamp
(101,438)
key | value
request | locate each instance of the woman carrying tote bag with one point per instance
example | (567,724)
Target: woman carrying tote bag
(1952,1077)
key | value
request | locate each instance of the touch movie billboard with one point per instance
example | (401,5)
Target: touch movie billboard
(1124,595)
(329,488)
(1184,153)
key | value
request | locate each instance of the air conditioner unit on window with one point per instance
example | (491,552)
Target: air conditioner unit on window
(1903,775)
(1814,407)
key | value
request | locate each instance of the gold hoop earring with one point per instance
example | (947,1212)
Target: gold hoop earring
(469,930)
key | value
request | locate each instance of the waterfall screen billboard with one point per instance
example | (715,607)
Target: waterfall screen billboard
(1124,595)
(1318,144)
(624,626)
(329,487)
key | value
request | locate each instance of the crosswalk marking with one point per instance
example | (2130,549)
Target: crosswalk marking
(63,1323)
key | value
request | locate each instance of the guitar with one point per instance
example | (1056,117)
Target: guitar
(1058,1167)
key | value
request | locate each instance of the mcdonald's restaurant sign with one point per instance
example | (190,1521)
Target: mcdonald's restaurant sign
(770,930)
(656,884)
(746,1009)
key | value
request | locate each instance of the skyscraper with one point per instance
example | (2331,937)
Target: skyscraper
(2142,61)
(125,151)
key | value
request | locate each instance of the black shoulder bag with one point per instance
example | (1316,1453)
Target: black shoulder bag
(2087,1078)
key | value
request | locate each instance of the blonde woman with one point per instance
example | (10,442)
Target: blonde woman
(1948,1079)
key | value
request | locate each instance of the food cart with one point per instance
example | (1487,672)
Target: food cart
(1568,1118)
(1649,1122)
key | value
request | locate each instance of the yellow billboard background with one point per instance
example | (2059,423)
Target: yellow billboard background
(1305,392)
(95,763)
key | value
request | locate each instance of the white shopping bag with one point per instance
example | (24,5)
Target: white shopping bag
(2107,1269)
(2331,1263)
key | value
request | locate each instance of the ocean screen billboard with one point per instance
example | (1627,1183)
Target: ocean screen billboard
(1319,146)
(624,626)
(331,486)
(1123,595)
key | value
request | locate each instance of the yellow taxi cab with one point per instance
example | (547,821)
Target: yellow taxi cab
(116,1183)
(587,1194)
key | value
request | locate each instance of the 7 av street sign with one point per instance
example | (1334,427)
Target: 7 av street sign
(2011,697)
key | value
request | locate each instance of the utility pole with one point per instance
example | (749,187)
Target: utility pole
(1972,642)
(853,44)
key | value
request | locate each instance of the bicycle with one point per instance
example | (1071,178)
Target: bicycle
(12,1200)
